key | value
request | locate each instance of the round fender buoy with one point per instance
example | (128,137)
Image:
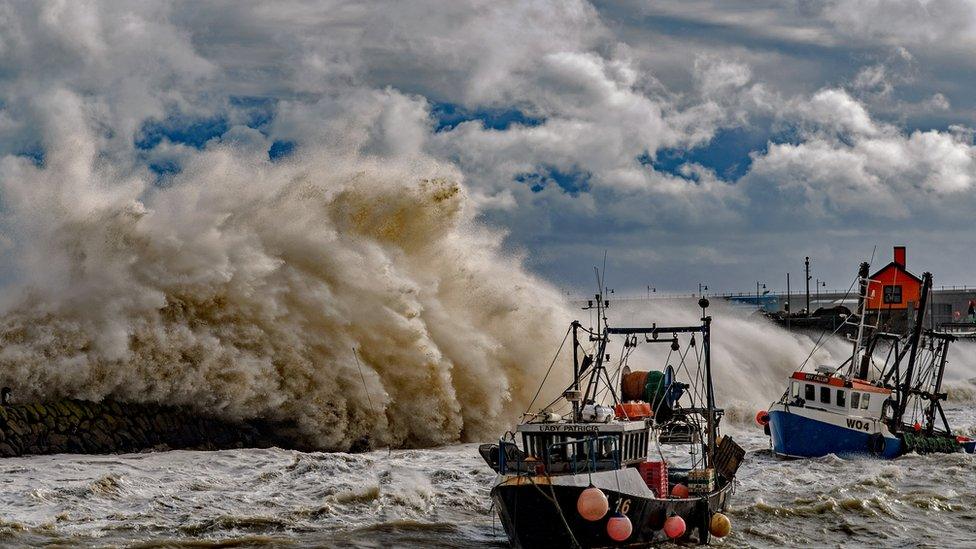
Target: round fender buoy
(592,504)
(720,525)
(679,491)
(619,527)
(674,527)
(762,418)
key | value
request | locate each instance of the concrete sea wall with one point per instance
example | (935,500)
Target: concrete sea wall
(77,426)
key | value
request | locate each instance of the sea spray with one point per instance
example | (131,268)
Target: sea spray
(751,357)
(241,286)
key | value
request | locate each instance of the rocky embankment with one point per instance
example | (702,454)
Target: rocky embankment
(77,426)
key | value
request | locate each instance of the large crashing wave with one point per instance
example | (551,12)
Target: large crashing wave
(242,287)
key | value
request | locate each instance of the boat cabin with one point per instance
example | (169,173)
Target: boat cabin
(577,447)
(833,393)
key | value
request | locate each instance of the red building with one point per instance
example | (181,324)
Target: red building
(893,288)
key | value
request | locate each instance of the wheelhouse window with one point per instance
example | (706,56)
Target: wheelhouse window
(855,399)
(865,401)
(811,393)
(841,398)
(892,294)
(825,395)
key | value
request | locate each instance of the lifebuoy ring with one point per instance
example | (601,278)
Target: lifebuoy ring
(877,444)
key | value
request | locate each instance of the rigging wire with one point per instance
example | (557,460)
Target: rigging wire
(551,364)
(817,345)
(361,376)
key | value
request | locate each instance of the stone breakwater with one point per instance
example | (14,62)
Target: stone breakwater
(84,427)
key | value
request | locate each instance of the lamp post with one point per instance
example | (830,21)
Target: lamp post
(700,288)
(806,265)
(788,312)
(758,305)
(820,284)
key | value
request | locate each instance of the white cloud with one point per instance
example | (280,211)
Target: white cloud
(833,84)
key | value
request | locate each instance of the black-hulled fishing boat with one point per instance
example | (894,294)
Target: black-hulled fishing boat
(884,408)
(599,476)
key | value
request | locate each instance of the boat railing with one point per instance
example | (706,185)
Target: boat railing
(587,454)
(592,461)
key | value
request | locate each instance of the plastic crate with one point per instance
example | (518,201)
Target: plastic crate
(655,475)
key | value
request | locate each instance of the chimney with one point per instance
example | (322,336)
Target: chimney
(900,255)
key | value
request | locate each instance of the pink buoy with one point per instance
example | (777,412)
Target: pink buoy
(680,491)
(674,527)
(619,527)
(592,504)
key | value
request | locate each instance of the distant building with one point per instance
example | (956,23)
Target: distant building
(893,292)
(893,298)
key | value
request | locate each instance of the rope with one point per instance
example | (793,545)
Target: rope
(816,345)
(555,502)
(551,364)
(362,377)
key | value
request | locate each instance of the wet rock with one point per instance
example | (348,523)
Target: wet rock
(73,426)
(7,451)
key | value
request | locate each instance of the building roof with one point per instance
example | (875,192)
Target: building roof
(898,266)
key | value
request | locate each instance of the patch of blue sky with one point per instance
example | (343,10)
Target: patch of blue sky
(280,150)
(448,115)
(165,167)
(728,153)
(257,112)
(254,112)
(35,153)
(193,132)
(571,182)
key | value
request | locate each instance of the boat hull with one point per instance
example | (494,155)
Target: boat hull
(540,512)
(803,432)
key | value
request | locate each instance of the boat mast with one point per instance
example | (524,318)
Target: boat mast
(862,274)
(576,368)
(592,385)
(906,386)
(709,390)
(936,391)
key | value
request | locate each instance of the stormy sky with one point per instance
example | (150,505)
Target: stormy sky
(693,141)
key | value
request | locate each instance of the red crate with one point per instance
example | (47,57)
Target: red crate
(655,475)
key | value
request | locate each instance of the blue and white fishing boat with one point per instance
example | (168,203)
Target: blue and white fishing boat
(861,407)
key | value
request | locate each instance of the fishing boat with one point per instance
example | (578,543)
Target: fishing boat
(589,469)
(867,406)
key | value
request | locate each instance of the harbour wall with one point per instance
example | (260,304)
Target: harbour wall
(77,426)
(947,303)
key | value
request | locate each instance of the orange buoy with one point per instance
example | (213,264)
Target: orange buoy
(679,491)
(674,527)
(619,527)
(762,418)
(720,525)
(917,426)
(592,504)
